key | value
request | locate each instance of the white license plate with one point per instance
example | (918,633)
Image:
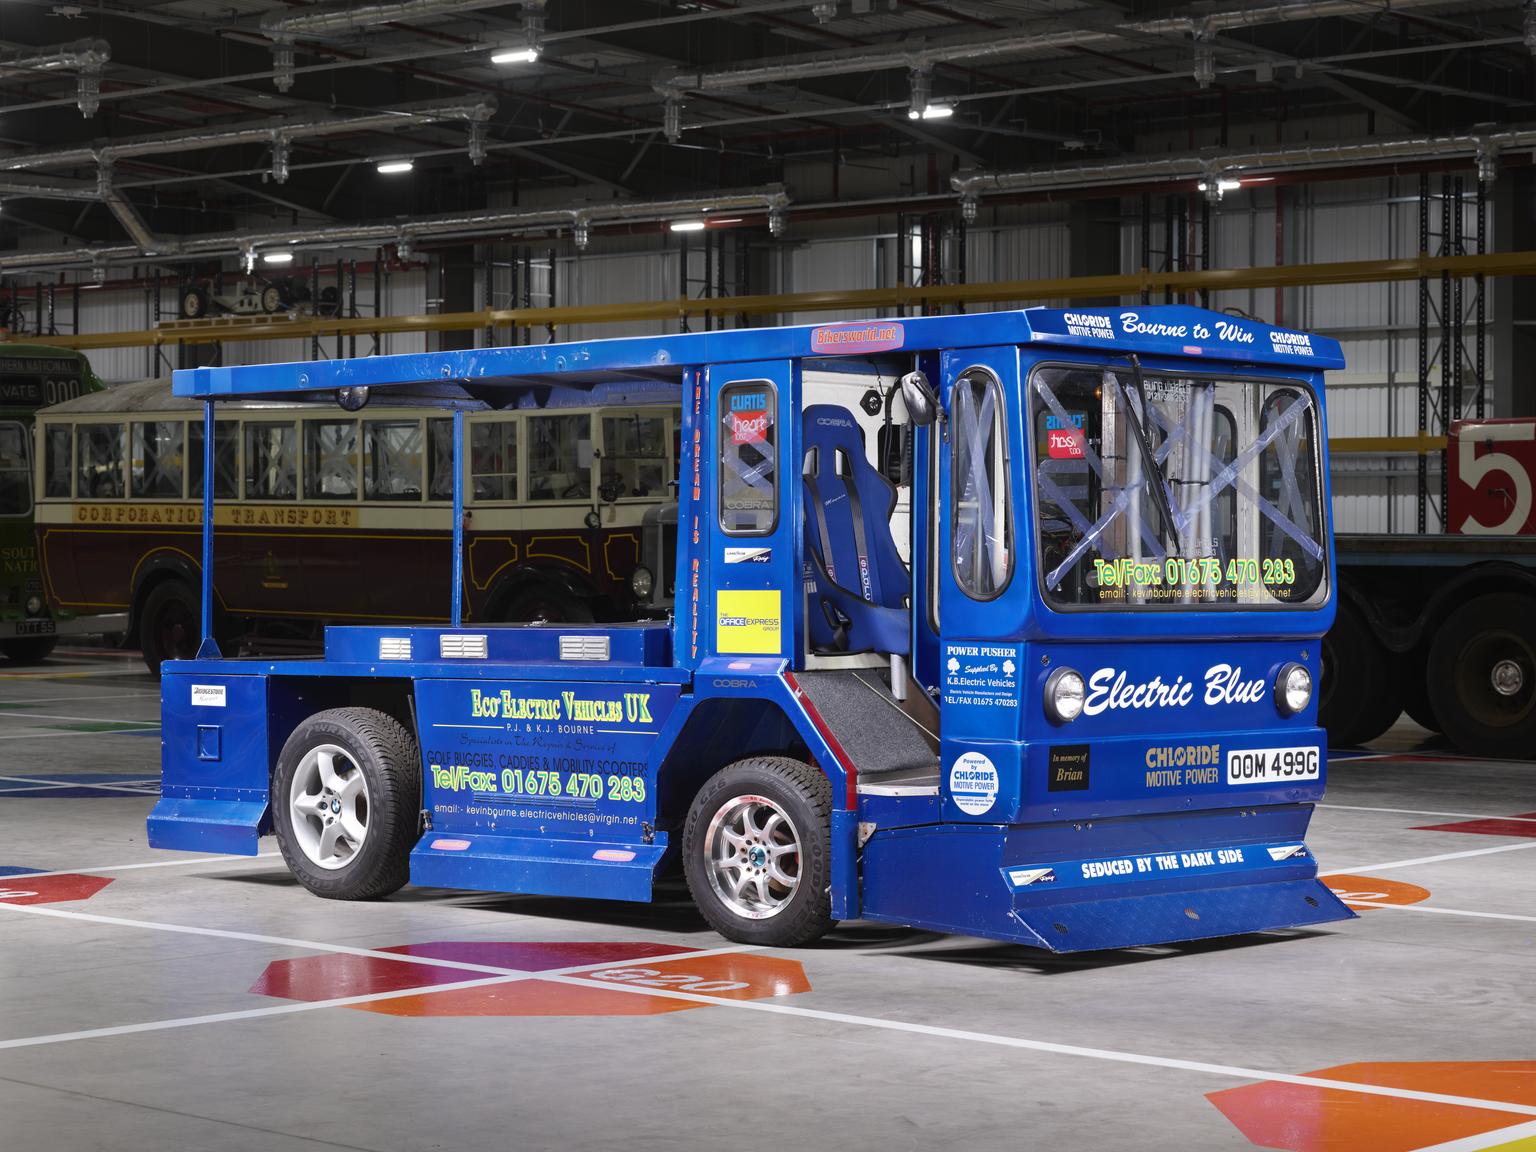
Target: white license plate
(34,628)
(1273,765)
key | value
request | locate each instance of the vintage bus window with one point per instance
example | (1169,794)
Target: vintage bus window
(15,471)
(1288,482)
(392,460)
(981,529)
(634,456)
(748,455)
(226,459)
(156,463)
(330,459)
(58,459)
(99,448)
(559,448)
(439,459)
(271,461)
(493,459)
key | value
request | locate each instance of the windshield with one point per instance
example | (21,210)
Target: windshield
(1167,491)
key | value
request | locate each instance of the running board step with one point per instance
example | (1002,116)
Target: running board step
(536,866)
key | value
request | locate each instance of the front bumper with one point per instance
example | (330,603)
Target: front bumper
(36,627)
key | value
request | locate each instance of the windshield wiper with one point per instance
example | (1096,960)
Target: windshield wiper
(1154,476)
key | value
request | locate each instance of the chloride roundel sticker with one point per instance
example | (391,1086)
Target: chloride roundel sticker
(973,783)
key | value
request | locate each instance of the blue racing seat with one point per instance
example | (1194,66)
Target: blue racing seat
(856,583)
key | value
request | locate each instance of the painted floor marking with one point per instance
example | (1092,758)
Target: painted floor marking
(162,864)
(65,735)
(74,675)
(110,786)
(6,713)
(1423,812)
(155,696)
(1444,911)
(1475,1143)
(875,1022)
(1366,869)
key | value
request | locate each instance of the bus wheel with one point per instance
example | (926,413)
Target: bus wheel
(1356,702)
(346,803)
(168,625)
(757,851)
(1482,676)
(545,604)
(30,651)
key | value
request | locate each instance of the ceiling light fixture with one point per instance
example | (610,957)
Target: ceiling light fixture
(687,225)
(283,256)
(934,112)
(523,54)
(395,167)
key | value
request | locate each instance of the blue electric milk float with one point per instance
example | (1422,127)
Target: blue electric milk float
(1068,702)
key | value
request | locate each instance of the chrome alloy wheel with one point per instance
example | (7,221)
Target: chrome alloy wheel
(754,857)
(328,806)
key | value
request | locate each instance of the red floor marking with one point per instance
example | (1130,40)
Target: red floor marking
(1298,1118)
(744,976)
(1523,825)
(23,889)
(1351,889)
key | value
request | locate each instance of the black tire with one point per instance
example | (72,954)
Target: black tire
(169,624)
(271,299)
(544,604)
(194,304)
(1356,700)
(29,650)
(1470,645)
(1413,689)
(385,753)
(804,795)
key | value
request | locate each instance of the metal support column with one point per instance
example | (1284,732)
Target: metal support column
(1424,303)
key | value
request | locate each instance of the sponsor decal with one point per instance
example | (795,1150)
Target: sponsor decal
(1177,765)
(748,555)
(1109,690)
(1089,324)
(208,695)
(1291,343)
(973,783)
(1024,877)
(632,708)
(749,427)
(1067,768)
(982,675)
(748,621)
(1064,444)
(1287,852)
(848,339)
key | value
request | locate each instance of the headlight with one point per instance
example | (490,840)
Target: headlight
(641,582)
(1064,691)
(1293,689)
(34,605)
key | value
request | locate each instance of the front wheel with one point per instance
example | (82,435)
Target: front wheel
(757,852)
(1482,676)
(169,624)
(33,650)
(346,803)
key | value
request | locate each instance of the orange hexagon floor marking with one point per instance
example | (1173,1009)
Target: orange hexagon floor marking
(16,887)
(665,967)
(1300,1118)
(1354,889)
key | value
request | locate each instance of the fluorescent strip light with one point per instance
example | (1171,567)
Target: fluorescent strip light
(277,257)
(515,56)
(393,167)
(687,225)
(938,111)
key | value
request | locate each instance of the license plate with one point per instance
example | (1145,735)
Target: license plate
(1273,765)
(35,628)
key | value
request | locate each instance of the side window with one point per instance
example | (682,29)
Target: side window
(749,458)
(1288,483)
(15,471)
(560,457)
(226,459)
(58,459)
(330,459)
(99,450)
(156,462)
(634,456)
(981,526)
(493,459)
(392,460)
(271,461)
(439,459)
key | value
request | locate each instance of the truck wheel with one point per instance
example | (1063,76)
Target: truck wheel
(271,299)
(1482,676)
(194,303)
(545,604)
(757,851)
(169,625)
(30,651)
(1413,690)
(346,803)
(1356,702)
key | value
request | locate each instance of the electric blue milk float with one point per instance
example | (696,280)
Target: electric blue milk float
(1068,701)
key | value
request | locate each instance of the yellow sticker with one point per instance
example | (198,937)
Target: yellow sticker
(748,622)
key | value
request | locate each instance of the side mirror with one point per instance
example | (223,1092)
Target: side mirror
(921,401)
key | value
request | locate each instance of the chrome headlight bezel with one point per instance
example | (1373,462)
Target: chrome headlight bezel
(1065,694)
(642,583)
(1292,680)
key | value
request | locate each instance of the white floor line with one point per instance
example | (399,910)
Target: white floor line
(65,735)
(1494,1139)
(1367,869)
(4,712)
(74,674)
(508,976)
(559,976)
(81,699)
(1412,908)
(113,786)
(1424,812)
(150,864)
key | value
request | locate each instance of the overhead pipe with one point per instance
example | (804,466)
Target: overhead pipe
(84,57)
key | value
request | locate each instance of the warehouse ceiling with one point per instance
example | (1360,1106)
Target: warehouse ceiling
(207,117)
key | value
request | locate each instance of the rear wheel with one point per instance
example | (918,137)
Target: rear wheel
(545,604)
(757,852)
(271,299)
(1356,701)
(346,803)
(168,624)
(194,303)
(1482,676)
(32,650)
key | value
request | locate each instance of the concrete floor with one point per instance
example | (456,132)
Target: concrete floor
(151,1016)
